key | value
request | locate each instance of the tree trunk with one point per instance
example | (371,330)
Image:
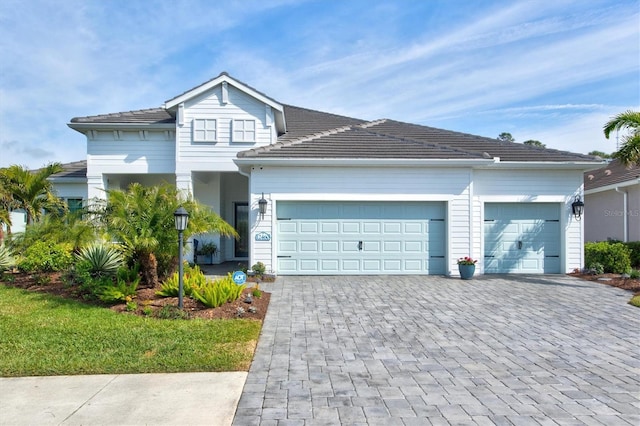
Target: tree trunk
(149,269)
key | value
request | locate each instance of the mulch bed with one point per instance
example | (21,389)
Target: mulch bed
(614,280)
(52,283)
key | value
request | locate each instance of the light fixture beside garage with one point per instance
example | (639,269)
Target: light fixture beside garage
(577,207)
(262,206)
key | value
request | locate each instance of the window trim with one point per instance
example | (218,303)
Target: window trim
(234,129)
(207,131)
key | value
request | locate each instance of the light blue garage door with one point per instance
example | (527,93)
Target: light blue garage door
(337,238)
(522,238)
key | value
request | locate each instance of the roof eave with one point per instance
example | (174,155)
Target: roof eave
(361,162)
(613,186)
(83,127)
(67,179)
(572,165)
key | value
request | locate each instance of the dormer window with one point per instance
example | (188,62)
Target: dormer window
(244,130)
(204,130)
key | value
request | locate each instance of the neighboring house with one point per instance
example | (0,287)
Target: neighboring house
(344,195)
(612,203)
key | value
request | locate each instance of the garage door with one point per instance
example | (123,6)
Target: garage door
(336,238)
(522,238)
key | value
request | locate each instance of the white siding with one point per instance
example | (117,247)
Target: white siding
(364,184)
(127,152)
(219,155)
(70,190)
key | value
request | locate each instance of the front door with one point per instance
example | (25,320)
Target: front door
(241,224)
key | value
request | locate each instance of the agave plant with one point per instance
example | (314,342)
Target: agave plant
(6,260)
(102,260)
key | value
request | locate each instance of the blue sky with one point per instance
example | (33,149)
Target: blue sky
(554,71)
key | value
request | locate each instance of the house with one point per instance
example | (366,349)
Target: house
(612,203)
(317,193)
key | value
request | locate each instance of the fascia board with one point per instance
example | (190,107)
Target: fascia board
(566,165)
(81,127)
(213,83)
(359,162)
(613,186)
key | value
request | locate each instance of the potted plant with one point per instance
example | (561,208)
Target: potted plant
(466,267)
(208,249)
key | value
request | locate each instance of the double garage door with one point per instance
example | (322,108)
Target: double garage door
(522,238)
(337,238)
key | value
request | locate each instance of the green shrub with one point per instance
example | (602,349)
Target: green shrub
(192,278)
(614,257)
(634,246)
(259,269)
(44,256)
(123,287)
(634,274)
(102,260)
(6,260)
(635,300)
(171,312)
(596,268)
(256,292)
(215,293)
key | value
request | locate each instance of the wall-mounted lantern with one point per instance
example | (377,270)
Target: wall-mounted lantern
(577,207)
(262,206)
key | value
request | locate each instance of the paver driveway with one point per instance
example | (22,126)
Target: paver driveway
(430,350)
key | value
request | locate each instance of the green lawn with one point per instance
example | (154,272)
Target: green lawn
(45,335)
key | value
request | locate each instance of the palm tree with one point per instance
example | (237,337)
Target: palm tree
(31,191)
(141,221)
(629,152)
(6,203)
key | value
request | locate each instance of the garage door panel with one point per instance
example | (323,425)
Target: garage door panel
(392,227)
(350,228)
(413,228)
(308,228)
(287,246)
(392,246)
(413,246)
(522,238)
(309,246)
(329,227)
(372,228)
(361,238)
(330,246)
(330,265)
(351,265)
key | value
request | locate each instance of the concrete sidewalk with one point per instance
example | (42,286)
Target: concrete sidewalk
(126,399)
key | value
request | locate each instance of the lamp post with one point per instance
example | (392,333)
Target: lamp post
(181,217)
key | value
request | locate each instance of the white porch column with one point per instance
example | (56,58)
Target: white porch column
(184,184)
(96,187)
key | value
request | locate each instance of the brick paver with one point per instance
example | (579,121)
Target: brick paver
(394,350)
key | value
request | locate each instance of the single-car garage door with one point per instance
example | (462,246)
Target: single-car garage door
(522,238)
(336,238)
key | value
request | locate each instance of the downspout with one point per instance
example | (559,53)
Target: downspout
(625,219)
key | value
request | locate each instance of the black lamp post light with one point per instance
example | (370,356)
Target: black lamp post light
(577,207)
(181,217)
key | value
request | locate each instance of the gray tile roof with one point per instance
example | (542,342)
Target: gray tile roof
(77,169)
(143,116)
(613,173)
(310,135)
(315,134)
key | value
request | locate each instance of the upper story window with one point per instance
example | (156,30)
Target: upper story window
(244,130)
(204,130)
